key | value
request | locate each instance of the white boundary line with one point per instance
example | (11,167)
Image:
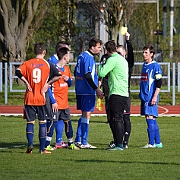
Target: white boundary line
(10,114)
(166,110)
(160,115)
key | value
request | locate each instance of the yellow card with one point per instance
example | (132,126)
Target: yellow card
(123,30)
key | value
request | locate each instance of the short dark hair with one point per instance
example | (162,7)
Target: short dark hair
(61,44)
(93,42)
(61,52)
(110,46)
(120,46)
(39,48)
(150,47)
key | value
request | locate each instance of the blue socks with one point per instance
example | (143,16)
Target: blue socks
(69,133)
(157,134)
(50,131)
(151,130)
(59,131)
(42,136)
(78,133)
(84,130)
(30,133)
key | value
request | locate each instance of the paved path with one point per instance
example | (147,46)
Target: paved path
(163,111)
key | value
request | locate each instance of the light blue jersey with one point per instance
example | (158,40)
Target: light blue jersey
(85,64)
(150,73)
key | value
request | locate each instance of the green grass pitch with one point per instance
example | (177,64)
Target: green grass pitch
(133,163)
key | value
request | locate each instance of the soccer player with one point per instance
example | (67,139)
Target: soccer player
(130,59)
(60,94)
(116,67)
(151,81)
(36,73)
(54,58)
(103,82)
(129,56)
(60,123)
(86,87)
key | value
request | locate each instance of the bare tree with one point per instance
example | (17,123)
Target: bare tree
(88,15)
(20,19)
(117,14)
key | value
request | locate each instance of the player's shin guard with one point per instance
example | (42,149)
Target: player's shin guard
(127,127)
(151,130)
(42,135)
(30,133)
(78,133)
(157,133)
(84,130)
(59,131)
(50,131)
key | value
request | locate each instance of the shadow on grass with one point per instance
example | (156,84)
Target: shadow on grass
(126,162)
(19,145)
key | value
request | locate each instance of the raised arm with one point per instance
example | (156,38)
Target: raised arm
(130,55)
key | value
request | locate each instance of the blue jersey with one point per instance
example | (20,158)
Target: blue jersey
(53,59)
(150,73)
(85,64)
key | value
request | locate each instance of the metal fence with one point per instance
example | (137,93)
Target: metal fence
(170,78)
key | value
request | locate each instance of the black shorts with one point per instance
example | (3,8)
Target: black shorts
(49,113)
(117,105)
(128,106)
(30,112)
(62,114)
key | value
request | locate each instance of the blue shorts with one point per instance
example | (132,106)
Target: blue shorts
(148,109)
(85,103)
